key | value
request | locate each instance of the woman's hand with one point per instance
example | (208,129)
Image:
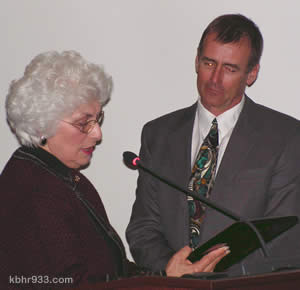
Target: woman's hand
(179,264)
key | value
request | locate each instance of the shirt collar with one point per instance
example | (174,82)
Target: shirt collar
(226,121)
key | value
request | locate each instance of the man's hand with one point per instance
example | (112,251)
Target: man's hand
(179,264)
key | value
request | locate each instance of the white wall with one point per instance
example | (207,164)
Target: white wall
(148,46)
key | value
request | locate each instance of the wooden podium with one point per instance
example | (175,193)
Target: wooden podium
(288,280)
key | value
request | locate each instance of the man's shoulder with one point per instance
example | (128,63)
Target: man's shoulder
(173,118)
(268,116)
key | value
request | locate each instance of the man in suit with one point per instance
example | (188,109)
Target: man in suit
(257,173)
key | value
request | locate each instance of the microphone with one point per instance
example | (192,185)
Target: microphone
(270,228)
(131,160)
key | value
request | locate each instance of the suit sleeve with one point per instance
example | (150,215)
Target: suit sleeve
(284,195)
(283,198)
(144,233)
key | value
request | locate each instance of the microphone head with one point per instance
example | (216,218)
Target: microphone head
(130,159)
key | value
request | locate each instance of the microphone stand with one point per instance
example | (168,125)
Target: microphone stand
(207,202)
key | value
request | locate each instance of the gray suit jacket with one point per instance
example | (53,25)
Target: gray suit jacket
(259,176)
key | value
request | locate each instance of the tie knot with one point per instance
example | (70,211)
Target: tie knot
(213,133)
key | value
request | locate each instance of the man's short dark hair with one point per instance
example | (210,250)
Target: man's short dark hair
(232,28)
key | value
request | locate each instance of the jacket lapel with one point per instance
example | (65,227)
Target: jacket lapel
(243,138)
(180,147)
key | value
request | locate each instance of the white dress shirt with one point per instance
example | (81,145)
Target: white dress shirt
(202,123)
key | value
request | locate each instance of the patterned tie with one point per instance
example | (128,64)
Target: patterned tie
(202,180)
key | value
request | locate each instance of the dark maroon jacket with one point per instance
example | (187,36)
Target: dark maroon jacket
(47,231)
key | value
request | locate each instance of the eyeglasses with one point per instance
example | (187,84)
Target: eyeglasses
(88,126)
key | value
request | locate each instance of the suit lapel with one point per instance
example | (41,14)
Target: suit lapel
(243,138)
(180,147)
(177,166)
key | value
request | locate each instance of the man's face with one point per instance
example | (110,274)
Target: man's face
(222,73)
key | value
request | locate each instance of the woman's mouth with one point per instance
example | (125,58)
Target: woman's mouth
(88,150)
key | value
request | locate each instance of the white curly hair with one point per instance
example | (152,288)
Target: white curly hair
(52,87)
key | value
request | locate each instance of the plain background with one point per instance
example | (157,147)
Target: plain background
(149,47)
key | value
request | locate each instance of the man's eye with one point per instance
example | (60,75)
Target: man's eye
(230,69)
(208,64)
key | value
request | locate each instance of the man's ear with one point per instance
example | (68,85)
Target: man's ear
(196,64)
(252,75)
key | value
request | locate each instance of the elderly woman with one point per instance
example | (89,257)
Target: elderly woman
(53,222)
